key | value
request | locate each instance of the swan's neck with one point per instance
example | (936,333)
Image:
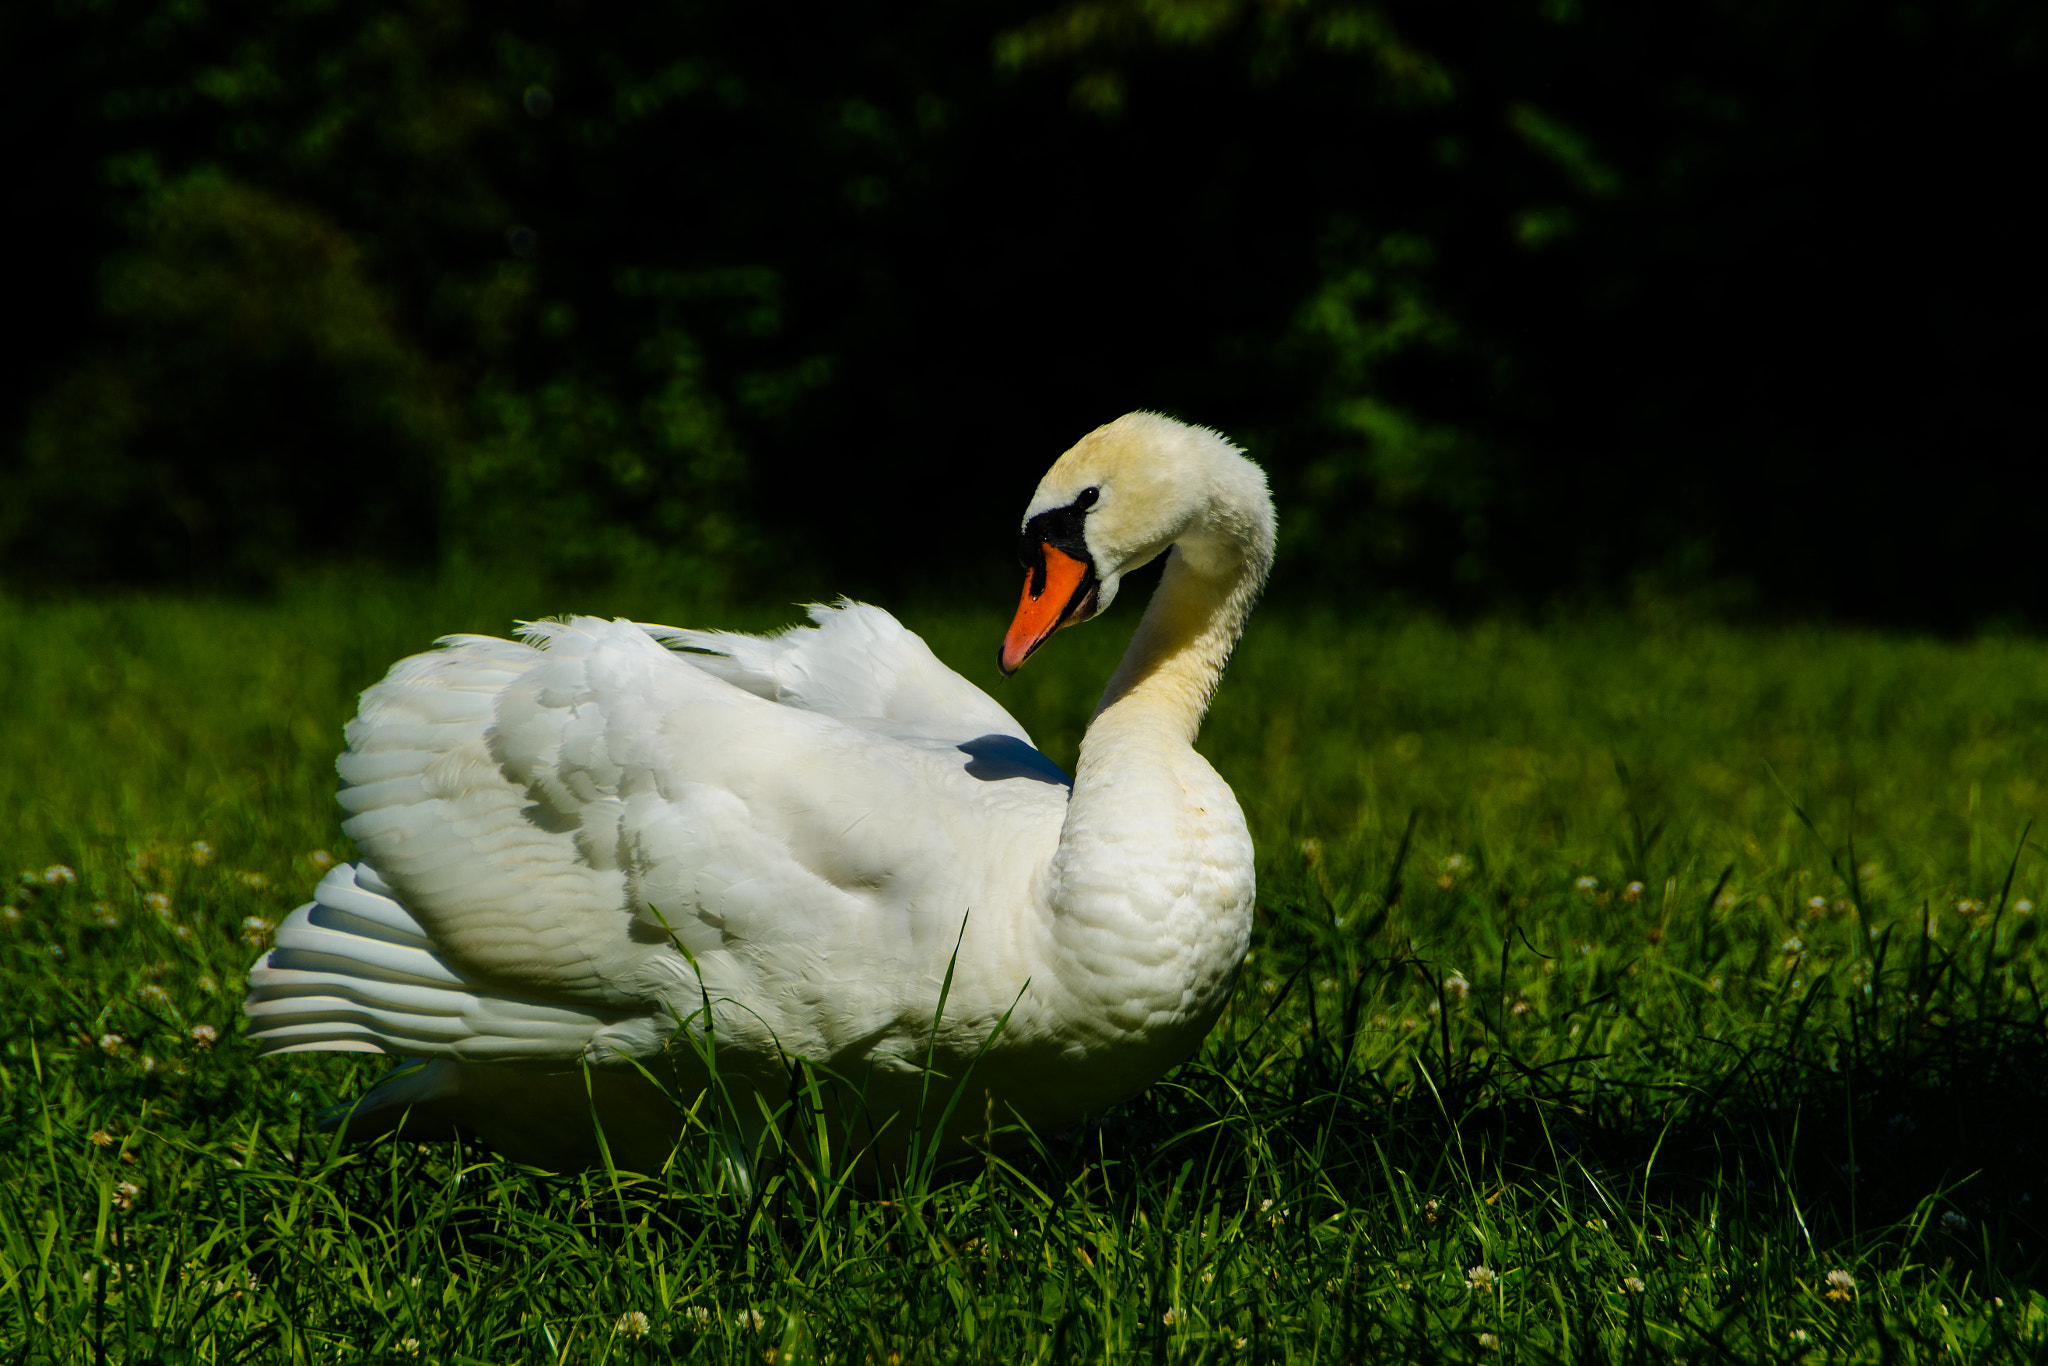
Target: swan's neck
(1141,793)
(1162,688)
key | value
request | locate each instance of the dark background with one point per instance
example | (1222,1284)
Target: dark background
(1724,303)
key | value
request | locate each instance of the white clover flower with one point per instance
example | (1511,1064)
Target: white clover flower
(1793,945)
(1169,1317)
(1456,986)
(253,880)
(205,1035)
(207,984)
(104,917)
(1801,1335)
(321,858)
(155,996)
(158,902)
(113,1044)
(698,1314)
(10,916)
(1519,1008)
(1632,892)
(631,1324)
(1967,906)
(1817,904)
(100,1138)
(126,1194)
(1954,1220)
(409,1346)
(1588,883)
(148,1062)
(2023,907)
(256,931)
(1312,851)
(1841,1280)
(1632,1284)
(234,1283)
(1479,1278)
(1487,1342)
(750,1318)
(1455,864)
(202,853)
(57,874)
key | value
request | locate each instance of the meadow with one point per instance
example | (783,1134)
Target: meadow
(1625,988)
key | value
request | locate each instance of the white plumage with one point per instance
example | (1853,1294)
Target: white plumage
(578,846)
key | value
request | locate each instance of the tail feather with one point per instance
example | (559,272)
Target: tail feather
(354,972)
(310,940)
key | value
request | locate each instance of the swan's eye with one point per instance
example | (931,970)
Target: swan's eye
(1087,499)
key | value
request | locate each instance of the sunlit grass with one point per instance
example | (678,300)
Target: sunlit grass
(1620,992)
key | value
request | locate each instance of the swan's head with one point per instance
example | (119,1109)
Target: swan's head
(1116,501)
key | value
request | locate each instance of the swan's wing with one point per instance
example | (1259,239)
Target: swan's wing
(856,663)
(550,816)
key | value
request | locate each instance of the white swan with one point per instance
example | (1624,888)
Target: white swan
(813,816)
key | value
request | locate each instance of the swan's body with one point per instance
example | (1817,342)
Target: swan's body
(571,844)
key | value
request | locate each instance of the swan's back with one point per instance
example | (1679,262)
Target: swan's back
(855,662)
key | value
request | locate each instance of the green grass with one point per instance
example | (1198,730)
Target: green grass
(1660,970)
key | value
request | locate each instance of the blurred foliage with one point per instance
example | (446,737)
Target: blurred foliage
(1513,297)
(258,374)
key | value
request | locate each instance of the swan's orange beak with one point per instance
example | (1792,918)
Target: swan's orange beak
(1053,589)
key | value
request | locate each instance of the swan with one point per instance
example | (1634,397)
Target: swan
(601,860)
